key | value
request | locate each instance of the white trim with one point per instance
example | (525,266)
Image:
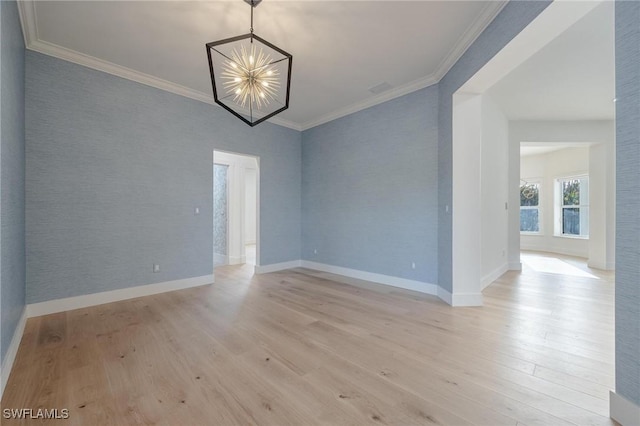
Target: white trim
(86,300)
(486,16)
(623,411)
(275,267)
(28,19)
(237,260)
(515,266)
(220,259)
(460,299)
(12,351)
(466,299)
(133,75)
(388,95)
(404,283)
(445,295)
(554,250)
(492,276)
(608,266)
(32,40)
(69,55)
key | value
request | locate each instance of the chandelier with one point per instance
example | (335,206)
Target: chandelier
(250,77)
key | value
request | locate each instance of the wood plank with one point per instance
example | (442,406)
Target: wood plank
(307,347)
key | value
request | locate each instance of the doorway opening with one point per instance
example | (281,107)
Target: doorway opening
(236,224)
(529,92)
(567,194)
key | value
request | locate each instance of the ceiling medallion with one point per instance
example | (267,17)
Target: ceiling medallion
(251,77)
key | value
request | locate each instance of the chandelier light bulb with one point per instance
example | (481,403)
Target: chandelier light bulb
(249,75)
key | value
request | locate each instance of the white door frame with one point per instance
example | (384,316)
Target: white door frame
(238,163)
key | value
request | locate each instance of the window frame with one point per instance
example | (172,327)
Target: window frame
(581,206)
(538,183)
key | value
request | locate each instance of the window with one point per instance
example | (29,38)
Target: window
(572,210)
(530,208)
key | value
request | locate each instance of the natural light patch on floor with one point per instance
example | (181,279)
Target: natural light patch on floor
(552,265)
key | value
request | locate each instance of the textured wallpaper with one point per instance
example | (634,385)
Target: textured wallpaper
(370,189)
(115,170)
(12,177)
(628,200)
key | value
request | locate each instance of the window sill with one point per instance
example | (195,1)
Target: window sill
(531,234)
(572,237)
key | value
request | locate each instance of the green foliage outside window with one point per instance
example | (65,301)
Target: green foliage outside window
(571,192)
(529,195)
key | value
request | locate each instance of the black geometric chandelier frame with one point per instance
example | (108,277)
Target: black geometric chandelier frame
(250,77)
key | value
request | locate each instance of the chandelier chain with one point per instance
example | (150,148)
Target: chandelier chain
(251,28)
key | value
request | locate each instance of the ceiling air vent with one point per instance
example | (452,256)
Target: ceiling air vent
(379,88)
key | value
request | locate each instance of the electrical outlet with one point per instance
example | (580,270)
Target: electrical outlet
(156,267)
(197,211)
(413,265)
(446,208)
(315,251)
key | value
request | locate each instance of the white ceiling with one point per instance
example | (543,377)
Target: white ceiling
(572,78)
(340,48)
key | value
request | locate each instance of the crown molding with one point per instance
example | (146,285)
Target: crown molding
(133,75)
(487,15)
(117,70)
(28,19)
(388,95)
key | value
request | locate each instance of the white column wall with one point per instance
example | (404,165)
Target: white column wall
(467,200)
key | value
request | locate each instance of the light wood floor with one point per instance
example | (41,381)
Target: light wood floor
(301,348)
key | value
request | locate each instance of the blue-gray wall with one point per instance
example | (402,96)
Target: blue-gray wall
(114,170)
(12,164)
(369,185)
(515,16)
(628,200)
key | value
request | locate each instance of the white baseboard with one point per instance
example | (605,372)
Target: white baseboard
(608,266)
(492,276)
(515,266)
(12,351)
(77,302)
(466,299)
(555,250)
(623,411)
(403,283)
(236,260)
(445,296)
(275,267)
(460,299)
(220,259)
